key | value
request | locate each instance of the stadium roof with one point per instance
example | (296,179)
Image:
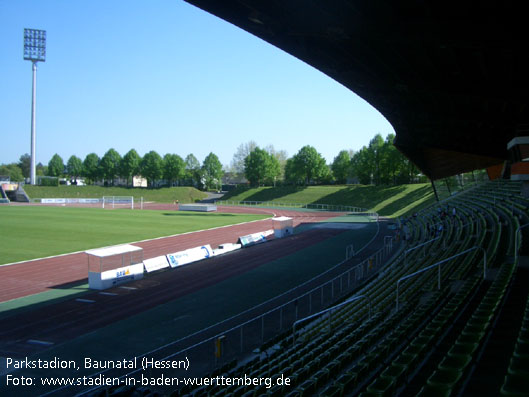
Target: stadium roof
(451,77)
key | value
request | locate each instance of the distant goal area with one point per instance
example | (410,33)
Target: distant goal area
(107,202)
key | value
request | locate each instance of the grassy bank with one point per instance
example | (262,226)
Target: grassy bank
(391,201)
(162,195)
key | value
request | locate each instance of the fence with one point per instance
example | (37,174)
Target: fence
(318,207)
(242,339)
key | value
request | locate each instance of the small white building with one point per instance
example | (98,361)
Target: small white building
(283,226)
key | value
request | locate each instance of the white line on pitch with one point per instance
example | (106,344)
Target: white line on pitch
(128,287)
(85,300)
(108,293)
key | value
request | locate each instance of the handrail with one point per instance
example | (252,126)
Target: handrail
(388,242)
(349,251)
(438,264)
(352,299)
(516,241)
(418,246)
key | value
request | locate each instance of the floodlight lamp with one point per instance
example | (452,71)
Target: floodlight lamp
(34,45)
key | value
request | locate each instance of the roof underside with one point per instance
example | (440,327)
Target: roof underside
(452,78)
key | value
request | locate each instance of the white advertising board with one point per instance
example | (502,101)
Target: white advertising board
(197,207)
(53,201)
(255,238)
(190,255)
(69,201)
(154,264)
(226,247)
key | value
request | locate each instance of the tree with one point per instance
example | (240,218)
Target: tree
(56,166)
(362,166)
(292,174)
(74,167)
(212,171)
(110,165)
(91,168)
(24,163)
(151,167)
(260,166)
(274,170)
(173,168)
(130,165)
(41,169)
(309,164)
(13,171)
(244,149)
(192,170)
(281,156)
(376,151)
(341,166)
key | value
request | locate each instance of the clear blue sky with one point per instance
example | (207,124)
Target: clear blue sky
(166,76)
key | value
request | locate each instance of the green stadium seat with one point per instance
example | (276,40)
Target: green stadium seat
(515,385)
(307,387)
(321,377)
(275,391)
(397,371)
(383,386)
(462,348)
(519,365)
(435,391)
(455,361)
(331,391)
(444,377)
(347,380)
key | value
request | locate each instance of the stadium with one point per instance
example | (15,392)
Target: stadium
(268,299)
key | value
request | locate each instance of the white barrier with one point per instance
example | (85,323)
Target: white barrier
(190,255)
(53,201)
(255,238)
(225,248)
(197,207)
(70,201)
(153,264)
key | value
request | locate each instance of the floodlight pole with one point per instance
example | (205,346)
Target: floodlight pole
(34,51)
(33,124)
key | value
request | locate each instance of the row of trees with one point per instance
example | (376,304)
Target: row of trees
(377,163)
(171,168)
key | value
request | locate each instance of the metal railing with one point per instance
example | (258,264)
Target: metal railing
(330,310)
(319,207)
(516,238)
(416,247)
(438,264)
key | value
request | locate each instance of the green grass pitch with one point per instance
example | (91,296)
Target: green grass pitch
(31,232)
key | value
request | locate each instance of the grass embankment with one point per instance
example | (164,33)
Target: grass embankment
(390,201)
(183,194)
(35,232)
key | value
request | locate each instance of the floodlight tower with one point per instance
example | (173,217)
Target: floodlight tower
(34,51)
